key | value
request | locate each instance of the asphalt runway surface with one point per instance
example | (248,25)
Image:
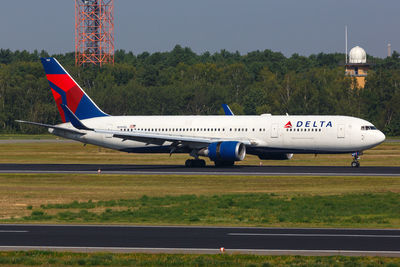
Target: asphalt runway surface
(210,170)
(173,239)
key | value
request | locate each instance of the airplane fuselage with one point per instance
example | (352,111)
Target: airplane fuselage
(265,133)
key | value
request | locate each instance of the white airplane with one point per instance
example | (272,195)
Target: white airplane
(224,139)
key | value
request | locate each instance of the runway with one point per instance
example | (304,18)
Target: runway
(159,239)
(210,170)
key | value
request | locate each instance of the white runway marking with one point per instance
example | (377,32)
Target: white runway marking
(14,231)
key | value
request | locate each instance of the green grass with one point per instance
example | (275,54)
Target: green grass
(350,210)
(23,193)
(46,258)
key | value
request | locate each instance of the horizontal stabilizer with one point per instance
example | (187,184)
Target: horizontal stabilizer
(73,119)
(49,126)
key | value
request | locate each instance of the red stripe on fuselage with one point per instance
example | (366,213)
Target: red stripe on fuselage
(73,92)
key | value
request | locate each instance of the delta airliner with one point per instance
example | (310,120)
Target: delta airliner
(223,139)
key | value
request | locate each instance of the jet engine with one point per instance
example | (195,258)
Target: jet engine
(226,151)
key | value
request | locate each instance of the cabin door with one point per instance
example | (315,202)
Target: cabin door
(109,127)
(274,130)
(340,133)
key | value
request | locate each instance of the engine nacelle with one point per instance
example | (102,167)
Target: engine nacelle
(226,151)
(275,156)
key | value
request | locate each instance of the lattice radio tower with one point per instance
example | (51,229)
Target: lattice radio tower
(94,32)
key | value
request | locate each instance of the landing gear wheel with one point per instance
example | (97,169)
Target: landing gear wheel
(188,163)
(356,156)
(219,163)
(355,164)
(195,163)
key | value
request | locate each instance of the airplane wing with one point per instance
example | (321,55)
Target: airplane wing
(159,139)
(150,138)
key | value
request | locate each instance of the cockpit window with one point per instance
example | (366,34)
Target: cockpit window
(366,128)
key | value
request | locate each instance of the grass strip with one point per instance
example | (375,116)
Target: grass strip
(19,191)
(349,210)
(47,258)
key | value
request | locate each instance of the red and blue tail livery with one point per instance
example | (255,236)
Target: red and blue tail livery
(67,92)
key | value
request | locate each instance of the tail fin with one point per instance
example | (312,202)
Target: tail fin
(66,91)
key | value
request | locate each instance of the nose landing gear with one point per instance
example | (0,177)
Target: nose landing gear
(356,156)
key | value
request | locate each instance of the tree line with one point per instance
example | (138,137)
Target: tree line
(181,82)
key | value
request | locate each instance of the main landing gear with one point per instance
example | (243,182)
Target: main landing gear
(356,156)
(223,163)
(195,163)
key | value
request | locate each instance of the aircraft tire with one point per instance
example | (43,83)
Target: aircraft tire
(190,163)
(219,163)
(202,163)
(355,164)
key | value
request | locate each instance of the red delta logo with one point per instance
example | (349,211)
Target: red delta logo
(288,125)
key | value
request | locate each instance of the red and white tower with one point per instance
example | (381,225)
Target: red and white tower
(94,32)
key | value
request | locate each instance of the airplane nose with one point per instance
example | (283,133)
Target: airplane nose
(380,137)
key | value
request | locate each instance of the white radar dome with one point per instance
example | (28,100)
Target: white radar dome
(357,55)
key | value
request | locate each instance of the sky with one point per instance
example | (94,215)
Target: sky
(288,26)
